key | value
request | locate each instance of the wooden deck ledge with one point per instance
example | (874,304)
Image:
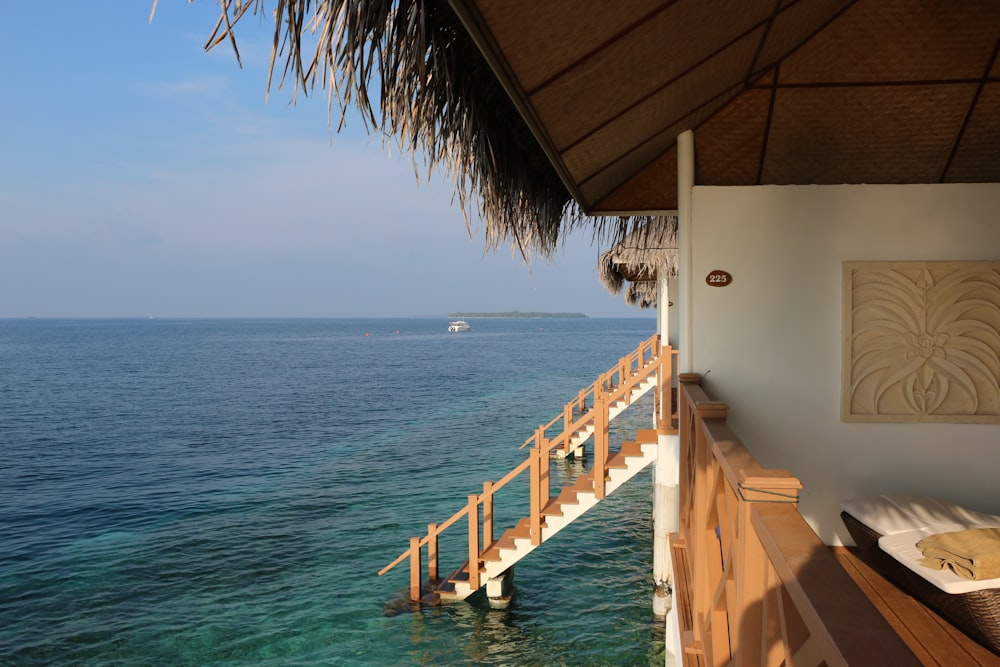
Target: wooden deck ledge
(931,638)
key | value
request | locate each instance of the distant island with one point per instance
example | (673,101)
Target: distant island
(515,313)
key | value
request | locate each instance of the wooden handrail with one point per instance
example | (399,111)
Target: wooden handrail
(440,528)
(613,386)
(511,475)
(618,383)
(756,586)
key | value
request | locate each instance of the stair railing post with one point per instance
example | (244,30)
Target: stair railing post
(432,552)
(567,428)
(474,541)
(487,514)
(600,445)
(536,496)
(543,469)
(415,569)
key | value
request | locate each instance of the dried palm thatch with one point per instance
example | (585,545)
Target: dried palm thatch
(638,257)
(641,294)
(437,97)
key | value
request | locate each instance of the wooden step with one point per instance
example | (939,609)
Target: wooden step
(521,531)
(650,435)
(554,508)
(617,461)
(507,541)
(492,552)
(461,575)
(568,496)
(631,448)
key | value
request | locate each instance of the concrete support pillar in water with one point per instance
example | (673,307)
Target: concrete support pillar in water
(499,589)
(665,498)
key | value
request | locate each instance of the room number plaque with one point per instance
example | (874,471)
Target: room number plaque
(719,278)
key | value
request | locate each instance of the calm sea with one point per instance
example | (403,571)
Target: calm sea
(223,492)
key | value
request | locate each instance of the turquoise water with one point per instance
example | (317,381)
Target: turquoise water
(223,492)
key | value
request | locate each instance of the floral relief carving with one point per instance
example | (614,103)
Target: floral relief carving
(921,342)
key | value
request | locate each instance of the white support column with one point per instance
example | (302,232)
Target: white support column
(666,505)
(665,476)
(685,284)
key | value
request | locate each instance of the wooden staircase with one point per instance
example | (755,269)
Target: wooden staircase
(572,502)
(585,418)
(577,438)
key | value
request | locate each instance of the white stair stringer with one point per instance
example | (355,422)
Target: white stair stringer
(574,501)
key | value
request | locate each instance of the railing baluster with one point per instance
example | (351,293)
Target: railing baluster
(567,427)
(474,541)
(487,514)
(600,445)
(432,552)
(543,470)
(536,496)
(415,569)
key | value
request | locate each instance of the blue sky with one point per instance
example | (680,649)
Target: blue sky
(141,176)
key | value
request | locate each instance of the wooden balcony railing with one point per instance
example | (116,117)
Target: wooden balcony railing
(754,583)
(589,410)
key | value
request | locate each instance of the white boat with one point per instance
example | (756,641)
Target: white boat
(459,325)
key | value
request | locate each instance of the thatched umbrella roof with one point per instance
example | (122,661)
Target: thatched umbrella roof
(638,258)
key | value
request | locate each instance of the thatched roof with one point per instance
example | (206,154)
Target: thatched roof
(790,92)
(636,260)
(548,111)
(641,294)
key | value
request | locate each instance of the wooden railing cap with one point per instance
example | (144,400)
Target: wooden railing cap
(769,486)
(713,407)
(771,477)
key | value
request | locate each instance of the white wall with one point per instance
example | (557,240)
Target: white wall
(772,339)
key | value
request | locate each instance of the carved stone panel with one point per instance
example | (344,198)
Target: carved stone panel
(921,342)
